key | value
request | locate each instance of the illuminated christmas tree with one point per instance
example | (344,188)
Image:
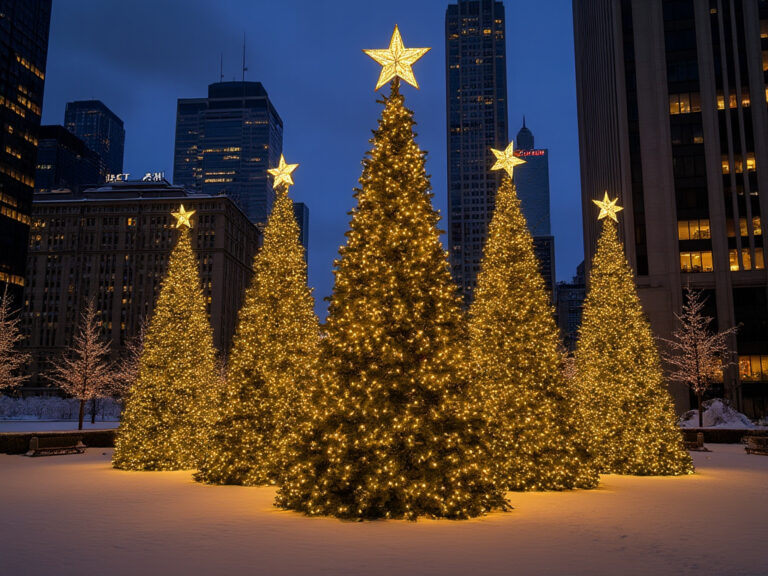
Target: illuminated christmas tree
(170,406)
(534,440)
(621,384)
(273,362)
(392,435)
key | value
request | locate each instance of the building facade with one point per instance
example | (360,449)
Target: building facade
(673,120)
(532,184)
(112,243)
(569,305)
(476,94)
(301,213)
(101,129)
(226,142)
(24,26)
(64,161)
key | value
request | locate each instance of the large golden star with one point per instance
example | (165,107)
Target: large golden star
(506,159)
(183,217)
(282,174)
(396,61)
(608,208)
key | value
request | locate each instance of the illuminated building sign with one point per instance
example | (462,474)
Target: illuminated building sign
(148,177)
(525,153)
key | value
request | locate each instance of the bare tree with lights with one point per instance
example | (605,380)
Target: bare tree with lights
(12,360)
(696,354)
(85,371)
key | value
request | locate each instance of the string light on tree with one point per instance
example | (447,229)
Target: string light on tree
(533,437)
(168,411)
(273,361)
(393,434)
(622,395)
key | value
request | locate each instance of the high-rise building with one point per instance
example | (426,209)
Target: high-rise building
(112,244)
(532,183)
(569,307)
(301,213)
(225,143)
(64,161)
(476,91)
(673,120)
(24,28)
(101,130)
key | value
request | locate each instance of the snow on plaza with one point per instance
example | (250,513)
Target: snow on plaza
(78,515)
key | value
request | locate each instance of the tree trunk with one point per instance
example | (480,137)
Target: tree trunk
(93,410)
(700,396)
(82,413)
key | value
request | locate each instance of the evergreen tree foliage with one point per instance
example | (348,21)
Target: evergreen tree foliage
(621,385)
(170,407)
(392,435)
(534,439)
(272,365)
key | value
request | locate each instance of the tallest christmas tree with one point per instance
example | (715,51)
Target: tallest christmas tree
(392,435)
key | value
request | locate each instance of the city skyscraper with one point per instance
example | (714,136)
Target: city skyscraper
(301,213)
(532,183)
(101,130)
(226,142)
(64,161)
(24,26)
(476,93)
(673,120)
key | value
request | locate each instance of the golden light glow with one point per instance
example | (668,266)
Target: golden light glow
(172,404)
(393,431)
(608,208)
(622,397)
(282,174)
(397,60)
(534,440)
(506,159)
(272,366)
(183,217)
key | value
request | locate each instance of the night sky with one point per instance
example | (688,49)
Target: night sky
(138,57)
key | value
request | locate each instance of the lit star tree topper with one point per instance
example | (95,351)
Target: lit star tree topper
(506,159)
(183,217)
(397,60)
(282,174)
(608,208)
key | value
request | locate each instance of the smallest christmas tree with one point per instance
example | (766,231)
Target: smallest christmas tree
(623,397)
(169,409)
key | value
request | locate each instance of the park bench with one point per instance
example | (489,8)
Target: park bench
(756,444)
(56,445)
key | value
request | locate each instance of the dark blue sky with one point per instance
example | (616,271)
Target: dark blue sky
(138,57)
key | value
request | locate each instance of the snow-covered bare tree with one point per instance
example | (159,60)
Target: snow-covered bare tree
(11,359)
(696,355)
(85,371)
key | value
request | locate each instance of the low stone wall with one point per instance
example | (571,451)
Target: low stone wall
(18,442)
(721,435)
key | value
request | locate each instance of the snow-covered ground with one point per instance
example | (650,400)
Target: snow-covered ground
(52,425)
(76,515)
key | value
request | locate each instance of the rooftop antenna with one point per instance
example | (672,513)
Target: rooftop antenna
(221,67)
(244,67)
